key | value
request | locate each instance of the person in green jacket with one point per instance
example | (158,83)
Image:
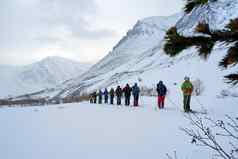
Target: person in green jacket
(187,88)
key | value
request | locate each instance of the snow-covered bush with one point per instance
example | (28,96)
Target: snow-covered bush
(234,94)
(228,93)
(147,91)
(225,93)
(198,87)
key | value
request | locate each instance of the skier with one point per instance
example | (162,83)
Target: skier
(127,92)
(119,95)
(111,96)
(100,97)
(136,92)
(161,90)
(91,98)
(105,96)
(95,97)
(187,88)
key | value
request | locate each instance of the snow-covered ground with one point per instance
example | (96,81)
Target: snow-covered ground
(89,131)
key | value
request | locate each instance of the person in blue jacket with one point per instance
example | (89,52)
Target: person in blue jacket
(105,96)
(136,93)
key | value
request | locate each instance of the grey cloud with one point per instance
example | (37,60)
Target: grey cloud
(38,28)
(85,31)
(26,25)
(98,34)
(48,39)
(73,18)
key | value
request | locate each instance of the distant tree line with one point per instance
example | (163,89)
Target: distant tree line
(43,101)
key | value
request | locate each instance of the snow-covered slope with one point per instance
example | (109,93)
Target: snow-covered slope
(146,35)
(216,13)
(46,73)
(133,54)
(139,56)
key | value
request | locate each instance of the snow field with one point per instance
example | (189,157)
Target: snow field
(83,130)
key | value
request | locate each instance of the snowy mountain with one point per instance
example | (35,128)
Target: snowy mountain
(217,14)
(47,73)
(140,57)
(133,54)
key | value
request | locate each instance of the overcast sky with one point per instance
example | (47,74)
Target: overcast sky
(83,30)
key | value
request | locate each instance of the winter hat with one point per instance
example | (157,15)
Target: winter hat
(186,78)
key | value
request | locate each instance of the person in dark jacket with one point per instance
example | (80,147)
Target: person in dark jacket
(136,93)
(94,97)
(127,92)
(91,98)
(119,95)
(112,92)
(161,90)
(105,96)
(100,94)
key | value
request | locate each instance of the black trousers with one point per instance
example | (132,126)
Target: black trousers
(99,100)
(127,100)
(95,100)
(112,100)
(136,100)
(106,99)
(186,103)
(118,100)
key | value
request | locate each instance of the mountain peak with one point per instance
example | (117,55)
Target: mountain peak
(46,73)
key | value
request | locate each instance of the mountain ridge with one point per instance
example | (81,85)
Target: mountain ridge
(140,57)
(45,73)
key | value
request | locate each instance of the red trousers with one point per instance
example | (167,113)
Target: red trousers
(161,100)
(136,104)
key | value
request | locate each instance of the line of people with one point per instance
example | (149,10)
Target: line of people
(118,93)
(187,89)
